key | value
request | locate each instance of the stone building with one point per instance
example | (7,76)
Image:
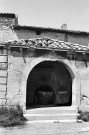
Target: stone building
(43,68)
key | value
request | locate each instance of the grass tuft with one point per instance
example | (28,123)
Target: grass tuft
(83,116)
(11,116)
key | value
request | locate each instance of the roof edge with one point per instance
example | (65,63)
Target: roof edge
(48,44)
(24,27)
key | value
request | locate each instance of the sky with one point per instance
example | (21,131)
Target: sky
(49,13)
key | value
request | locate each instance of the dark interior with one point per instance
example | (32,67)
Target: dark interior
(49,84)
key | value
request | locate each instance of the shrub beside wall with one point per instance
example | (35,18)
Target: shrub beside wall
(11,116)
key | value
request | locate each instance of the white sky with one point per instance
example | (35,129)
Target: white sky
(49,13)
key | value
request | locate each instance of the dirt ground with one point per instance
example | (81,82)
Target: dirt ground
(48,128)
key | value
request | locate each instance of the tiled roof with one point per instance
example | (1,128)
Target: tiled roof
(19,27)
(45,43)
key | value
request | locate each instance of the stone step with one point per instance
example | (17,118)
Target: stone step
(52,110)
(55,117)
(61,114)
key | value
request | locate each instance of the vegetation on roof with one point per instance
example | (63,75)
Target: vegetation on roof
(7,15)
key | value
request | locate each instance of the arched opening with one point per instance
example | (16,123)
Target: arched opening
(49,84)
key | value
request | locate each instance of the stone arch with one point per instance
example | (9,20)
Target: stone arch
(29,66)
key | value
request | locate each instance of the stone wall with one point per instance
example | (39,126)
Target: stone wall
(29,34)
(13,65)
(84,84)
(7,34)
(73,38)
(17,64)
(8,19)
(78,39)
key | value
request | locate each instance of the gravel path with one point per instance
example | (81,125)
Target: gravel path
(49,128)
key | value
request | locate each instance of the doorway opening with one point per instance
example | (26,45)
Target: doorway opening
(49,84)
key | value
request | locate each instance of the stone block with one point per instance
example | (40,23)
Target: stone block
(2,102)
(3,66)
(2,87)
(3,51)
(3,73)
(2,95)
(2,80)
(3,58)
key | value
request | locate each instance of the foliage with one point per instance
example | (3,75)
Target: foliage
(11,116)
(83,116)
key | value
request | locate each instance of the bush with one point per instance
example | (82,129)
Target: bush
(11,116)
(83,116)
